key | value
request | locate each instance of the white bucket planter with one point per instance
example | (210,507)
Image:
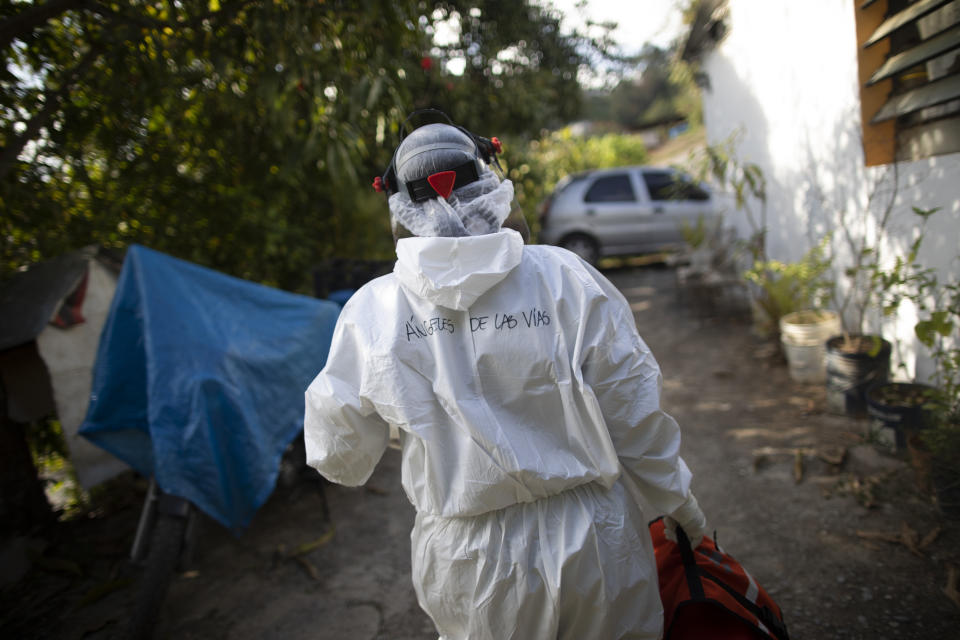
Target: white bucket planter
(804,335)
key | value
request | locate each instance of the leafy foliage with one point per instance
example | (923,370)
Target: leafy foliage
(661,91)
(784,288)
(937,330)
(222,135)
(937,303)
(241,135)
(654,96)
(512,53)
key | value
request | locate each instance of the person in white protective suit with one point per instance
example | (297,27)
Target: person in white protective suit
(527,408)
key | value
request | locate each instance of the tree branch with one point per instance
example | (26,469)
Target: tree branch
(51,103)
(25,22)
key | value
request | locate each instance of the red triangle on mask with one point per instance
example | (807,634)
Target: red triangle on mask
(442,182)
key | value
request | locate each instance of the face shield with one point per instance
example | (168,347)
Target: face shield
(445,189)
(515,219)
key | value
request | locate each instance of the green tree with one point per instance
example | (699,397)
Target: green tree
(660,88)
(519,69)
(231,136)
(649,97)
(242,135)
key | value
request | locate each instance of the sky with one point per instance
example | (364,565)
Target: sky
(639,21)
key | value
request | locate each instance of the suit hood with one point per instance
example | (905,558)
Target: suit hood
(454,272)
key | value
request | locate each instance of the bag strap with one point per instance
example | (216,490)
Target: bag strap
(690,568)
(695,577)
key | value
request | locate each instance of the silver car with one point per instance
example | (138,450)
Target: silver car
(623,211)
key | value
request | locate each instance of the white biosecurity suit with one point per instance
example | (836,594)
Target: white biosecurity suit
(528,412)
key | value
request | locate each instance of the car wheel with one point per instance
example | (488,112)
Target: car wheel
(583,246)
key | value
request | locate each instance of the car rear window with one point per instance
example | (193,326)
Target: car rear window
(569,180)
(611,188)
(665,185)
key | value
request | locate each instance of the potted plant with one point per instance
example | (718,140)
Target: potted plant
(790,298)
(857,361)
(899,409)
(927,417)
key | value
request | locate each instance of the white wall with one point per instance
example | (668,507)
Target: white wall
(785,78)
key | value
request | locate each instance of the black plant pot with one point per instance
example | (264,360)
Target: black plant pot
(854,364)
(898,411)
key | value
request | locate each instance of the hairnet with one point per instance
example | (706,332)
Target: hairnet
(474,209)
(432,148)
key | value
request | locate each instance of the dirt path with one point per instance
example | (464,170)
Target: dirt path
(742,419)
(734,399)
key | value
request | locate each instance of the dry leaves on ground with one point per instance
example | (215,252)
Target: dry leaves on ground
(908,537)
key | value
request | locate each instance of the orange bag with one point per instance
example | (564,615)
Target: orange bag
(708,594)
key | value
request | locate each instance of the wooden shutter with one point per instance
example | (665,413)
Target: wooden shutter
(909,62)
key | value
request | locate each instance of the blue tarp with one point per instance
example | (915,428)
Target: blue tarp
(199,380)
